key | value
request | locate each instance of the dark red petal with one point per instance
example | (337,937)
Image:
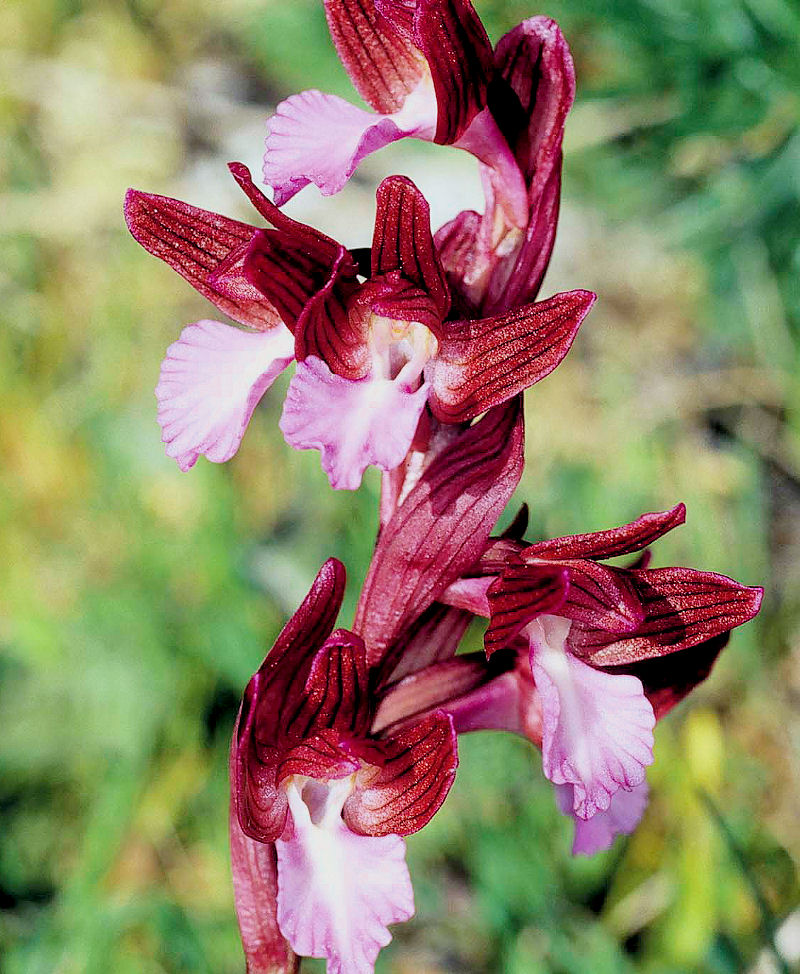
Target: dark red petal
(417,768)
(336,691)
(520,594)
(196,243)
(624,540)
(286,668)
(483,363)
(668,679)
(400,14)
(530,100)
(602,597)
(313,297)
(519,283)
(459,54)
(261,808)
(402,240)
(683,608)
(441,528)
(255,889)
(320,247)
(456,243)
(499,553)
(383,65)
(310,279)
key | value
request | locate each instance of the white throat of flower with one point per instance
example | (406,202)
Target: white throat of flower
(317,803)
(419,112)
(400,349)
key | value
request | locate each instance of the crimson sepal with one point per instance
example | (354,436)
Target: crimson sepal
(459,54)
(510,287)
(199,244)
(602,597)
(456,244)
(534,61)
(623,540)
(682,608)
(310,279)
(400,13)
(434,687)
(255,889)
(417,765)
(382,65)
(483,363)
(321,755)
(335,693)
(402,240)
(441,528)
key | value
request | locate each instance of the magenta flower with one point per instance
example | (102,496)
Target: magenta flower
(600,642)
(371,356)
(428,70)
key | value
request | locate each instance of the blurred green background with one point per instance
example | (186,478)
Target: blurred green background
(135,601)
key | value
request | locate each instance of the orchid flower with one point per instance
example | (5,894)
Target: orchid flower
(322,789)
(428,71)
(310,781)
(610,650)
(371,356)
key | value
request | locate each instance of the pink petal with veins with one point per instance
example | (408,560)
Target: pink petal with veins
(353,423)
(597,728)
(321,139)
(338,891)
(620,818)
(211,380)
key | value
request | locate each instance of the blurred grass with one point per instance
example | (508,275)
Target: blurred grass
(136,601)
